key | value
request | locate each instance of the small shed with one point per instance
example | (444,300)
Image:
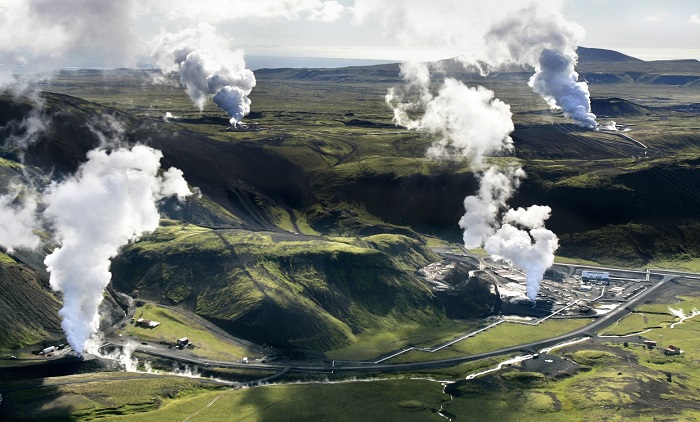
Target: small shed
(672,351)
(146,323)
(48,350)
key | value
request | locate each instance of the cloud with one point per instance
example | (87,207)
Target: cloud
(218,11)
(331,11)
(48,30)
(49,34)
(694,19)
(452,24)
(656,17)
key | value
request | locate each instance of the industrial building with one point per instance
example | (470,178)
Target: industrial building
(595,277)
(145,323)
(672,351)
(48,350)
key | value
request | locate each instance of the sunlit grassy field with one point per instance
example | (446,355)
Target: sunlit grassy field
(175,325)
(503,335)
(372,344)
(306,122)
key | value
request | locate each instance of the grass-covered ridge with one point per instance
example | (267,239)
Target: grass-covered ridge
(28,308)
(99,396)
(290,290)
(175,325)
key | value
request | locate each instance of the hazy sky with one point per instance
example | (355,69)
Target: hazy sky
(646,28)
(123,33)
(649,28)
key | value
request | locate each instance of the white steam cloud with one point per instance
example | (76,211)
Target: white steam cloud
(542,38)
(43,32)
(557,82)
(18,218)
(514,32)
(110,201)
(483,209)
(526,243)
(214,73)
(18,135)
(470,123)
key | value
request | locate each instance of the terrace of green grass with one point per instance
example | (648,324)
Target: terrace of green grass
(503,335)
(5,259)
(175,325)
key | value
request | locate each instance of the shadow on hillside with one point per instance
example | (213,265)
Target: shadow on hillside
(202,121)
(31,400)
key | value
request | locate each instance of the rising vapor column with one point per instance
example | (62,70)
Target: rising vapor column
(470,123)
(207,70)
(110,201)
(541,37)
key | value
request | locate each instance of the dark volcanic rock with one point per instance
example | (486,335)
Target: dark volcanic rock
(469,297)
(28,309)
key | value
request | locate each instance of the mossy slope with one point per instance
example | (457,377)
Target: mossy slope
(28,309)
(294,291)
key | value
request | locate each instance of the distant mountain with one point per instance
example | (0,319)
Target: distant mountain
(596,65)
(617,107)
(600,55)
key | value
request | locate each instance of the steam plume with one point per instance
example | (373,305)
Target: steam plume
(207,74)
(483,210)
(18,219)
(469,122)
(515,32)
(110,201)
(557,82)
(526,243)
(542,38)
(17,135)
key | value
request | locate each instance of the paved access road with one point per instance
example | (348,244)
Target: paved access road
(359,367)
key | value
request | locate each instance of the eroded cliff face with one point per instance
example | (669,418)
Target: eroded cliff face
(28,309)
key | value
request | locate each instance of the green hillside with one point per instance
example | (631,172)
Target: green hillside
(290,291)
(28,309)
(310,223)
